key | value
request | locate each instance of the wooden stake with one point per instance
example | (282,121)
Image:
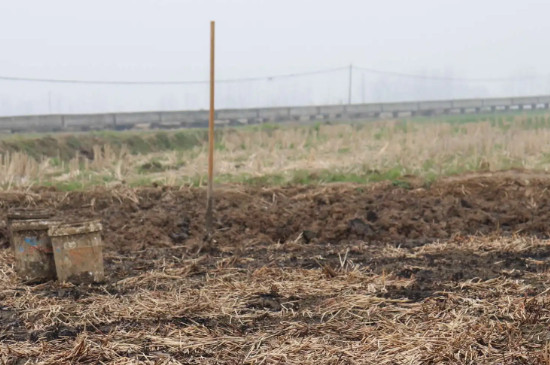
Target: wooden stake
(209,195)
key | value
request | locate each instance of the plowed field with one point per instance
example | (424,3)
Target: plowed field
(453,272)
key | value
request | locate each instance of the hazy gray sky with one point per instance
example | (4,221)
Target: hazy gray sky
(168,40)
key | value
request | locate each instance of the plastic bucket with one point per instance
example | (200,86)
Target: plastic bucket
(33,249)
(77,251)
(18,214)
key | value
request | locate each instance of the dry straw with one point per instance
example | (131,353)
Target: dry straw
(171,315)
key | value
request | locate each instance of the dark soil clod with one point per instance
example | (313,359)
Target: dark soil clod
(309,236)
(360,228)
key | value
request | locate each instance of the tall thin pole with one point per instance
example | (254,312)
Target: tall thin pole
(209,195)
(349,83)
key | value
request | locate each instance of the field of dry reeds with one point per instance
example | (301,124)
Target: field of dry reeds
(280,155)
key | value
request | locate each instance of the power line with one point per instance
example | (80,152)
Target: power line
(443,78)
(330,70)
(245,79)
(268,78)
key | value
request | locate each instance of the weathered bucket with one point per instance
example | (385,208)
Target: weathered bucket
(77,251)
(18,214)
(33,249)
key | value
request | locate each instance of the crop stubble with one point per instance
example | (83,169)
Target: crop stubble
(452,272)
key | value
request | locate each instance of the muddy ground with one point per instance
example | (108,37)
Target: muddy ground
(148,223)
(320,228)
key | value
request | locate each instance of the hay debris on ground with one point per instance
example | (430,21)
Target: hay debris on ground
(231,312)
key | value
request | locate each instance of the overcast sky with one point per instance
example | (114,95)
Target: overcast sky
(168,40)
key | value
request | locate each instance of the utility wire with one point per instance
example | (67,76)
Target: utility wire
(442,78)
(93,82)
(268,78)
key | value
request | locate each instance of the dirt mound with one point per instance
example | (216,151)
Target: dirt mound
(408,214)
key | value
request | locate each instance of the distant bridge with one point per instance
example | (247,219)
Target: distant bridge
(199,118)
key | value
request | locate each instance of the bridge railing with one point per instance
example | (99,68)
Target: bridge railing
(199,118)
